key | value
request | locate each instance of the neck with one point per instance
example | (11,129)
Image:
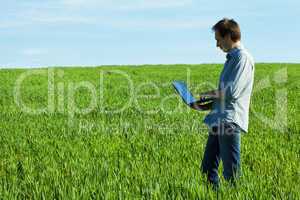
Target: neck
(235,45)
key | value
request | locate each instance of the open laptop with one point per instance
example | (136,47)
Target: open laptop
(186,95)
(183,91)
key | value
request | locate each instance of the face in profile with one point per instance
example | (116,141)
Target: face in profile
(223,43)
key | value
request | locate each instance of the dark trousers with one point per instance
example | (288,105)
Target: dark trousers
(223,144)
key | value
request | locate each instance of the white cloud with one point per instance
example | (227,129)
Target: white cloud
(62,19)
(31,18)
(126,4)
(161,23)
(81,3)
(155,4)
(61,13)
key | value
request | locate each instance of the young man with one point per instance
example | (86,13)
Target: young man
(230,108)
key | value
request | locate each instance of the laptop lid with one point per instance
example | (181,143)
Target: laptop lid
(183,91)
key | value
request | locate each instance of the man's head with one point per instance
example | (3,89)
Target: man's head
(227,34)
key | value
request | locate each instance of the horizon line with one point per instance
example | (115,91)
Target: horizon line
(126,65)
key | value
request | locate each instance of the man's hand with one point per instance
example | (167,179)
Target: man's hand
(213,94)
(198,105)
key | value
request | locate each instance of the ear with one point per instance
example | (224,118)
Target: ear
(227,37)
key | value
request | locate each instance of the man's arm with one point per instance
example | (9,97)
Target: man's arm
(240,77)
(237,80)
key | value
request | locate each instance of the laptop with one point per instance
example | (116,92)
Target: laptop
(183,91)
(186,95)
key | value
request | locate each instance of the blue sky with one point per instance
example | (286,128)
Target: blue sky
(98,32)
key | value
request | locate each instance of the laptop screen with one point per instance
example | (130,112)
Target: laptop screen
(183,91)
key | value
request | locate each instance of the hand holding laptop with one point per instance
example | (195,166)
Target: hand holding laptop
(199,105)
(204,103)
(213,94)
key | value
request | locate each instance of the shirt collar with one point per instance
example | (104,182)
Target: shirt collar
(234,50)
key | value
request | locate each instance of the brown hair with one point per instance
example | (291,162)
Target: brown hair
(228,27)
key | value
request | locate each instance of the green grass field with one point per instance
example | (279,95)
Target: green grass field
(152,148)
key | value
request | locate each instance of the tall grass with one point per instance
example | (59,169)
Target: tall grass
(150,150)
